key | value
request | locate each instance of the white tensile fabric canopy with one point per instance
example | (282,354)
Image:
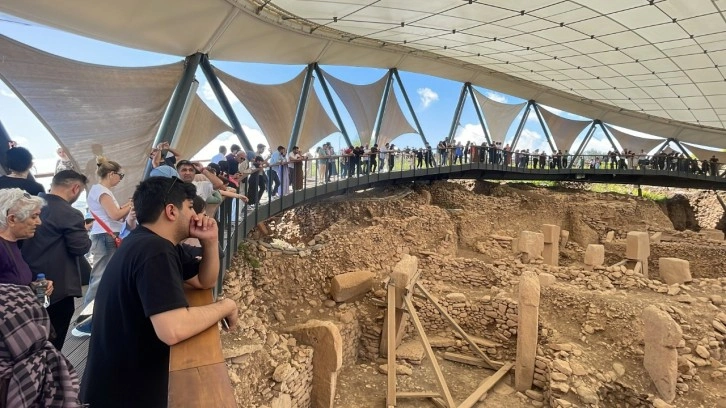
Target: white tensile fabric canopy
(91,109)
(704,154)
(498,116)
(564,131)
(200,127)
(634,143)
(274,108)
(393,122)
(362,103)
(654,67)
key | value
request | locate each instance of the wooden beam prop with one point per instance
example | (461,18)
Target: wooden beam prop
(493,364)
(404,274)
(198,376)
(485,386)
(430,353)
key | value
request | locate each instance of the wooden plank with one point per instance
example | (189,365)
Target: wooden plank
(391,346)
(461,358)
(201,387)
(430,353)
(485,386)
(438,402)
(419,394)
(493,364)
(203,349)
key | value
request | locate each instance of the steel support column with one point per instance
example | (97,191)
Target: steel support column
(584,143)
(680,146)
(457,113)
(4,147)
(326,90)
(173,114)
(479,114)
(548,135)
(410,107)
(224,103)
(518,133)
(609,136)
(302,105)
(382,110)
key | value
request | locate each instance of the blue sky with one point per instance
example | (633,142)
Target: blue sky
(434,99)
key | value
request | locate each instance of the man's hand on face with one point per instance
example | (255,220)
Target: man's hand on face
(203,228)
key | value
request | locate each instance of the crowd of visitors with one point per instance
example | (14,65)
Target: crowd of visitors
(145,249)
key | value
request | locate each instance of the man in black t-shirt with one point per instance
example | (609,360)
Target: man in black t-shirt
(141,299)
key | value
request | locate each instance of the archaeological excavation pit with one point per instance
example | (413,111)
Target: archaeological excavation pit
(629,313)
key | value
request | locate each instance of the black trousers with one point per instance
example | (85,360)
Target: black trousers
(60,314)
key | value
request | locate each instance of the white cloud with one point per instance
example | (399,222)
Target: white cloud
(529,139)
(8,93)
(598,146)
(496,97)
(208,93)
(470,132)
(427,97)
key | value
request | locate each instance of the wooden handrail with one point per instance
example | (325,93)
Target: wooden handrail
(198,376)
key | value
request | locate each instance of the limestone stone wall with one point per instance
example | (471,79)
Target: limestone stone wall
(350,332)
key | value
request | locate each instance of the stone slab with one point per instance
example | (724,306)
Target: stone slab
(531,243)
(661,335)
(564,237)
(551,254)
(674,270)
(350,285)
(324,337)
(595,255)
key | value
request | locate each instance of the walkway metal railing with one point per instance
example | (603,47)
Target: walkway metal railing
(316,178)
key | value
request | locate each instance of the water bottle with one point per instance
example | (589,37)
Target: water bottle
(41,286)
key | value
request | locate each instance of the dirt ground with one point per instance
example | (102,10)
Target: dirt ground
(596,314)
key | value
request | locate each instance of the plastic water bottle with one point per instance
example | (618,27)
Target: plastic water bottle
(41,286)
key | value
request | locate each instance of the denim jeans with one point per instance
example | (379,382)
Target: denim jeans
(102,248)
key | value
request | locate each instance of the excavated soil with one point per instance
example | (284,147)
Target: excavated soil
(461,232)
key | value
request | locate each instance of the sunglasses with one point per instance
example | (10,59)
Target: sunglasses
(120,175)
(174,179)
(25,195)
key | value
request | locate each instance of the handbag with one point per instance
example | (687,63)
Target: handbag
(116,238)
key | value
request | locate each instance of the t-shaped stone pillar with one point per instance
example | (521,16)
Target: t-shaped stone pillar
(531,244)
(594,255)
(527,330)
(638,248)
(551,252)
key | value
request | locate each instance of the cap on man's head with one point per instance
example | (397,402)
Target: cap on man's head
(164,171)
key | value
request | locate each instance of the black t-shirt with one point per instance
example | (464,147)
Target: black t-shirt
(128,366)
(29,184)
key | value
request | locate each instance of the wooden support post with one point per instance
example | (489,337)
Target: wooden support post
(430,353)
(391,339)
(493,364)
(485,386)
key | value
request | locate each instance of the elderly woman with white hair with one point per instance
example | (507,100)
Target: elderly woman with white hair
(19,217)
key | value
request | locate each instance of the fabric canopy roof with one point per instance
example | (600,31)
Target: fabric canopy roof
(362,103)
(201,127)
(274,108)
(91,109)
(498,116)
(393,123)
(653,67)
(634,143)
(704,154)
(564,131)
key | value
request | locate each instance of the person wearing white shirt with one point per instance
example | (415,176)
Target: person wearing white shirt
(382,158)
(278,164)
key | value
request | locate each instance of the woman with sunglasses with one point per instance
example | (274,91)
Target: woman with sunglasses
(110,218)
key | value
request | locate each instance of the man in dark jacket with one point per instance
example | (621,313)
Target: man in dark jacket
(58,246)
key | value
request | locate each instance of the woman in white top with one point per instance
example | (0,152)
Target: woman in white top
(103,205)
